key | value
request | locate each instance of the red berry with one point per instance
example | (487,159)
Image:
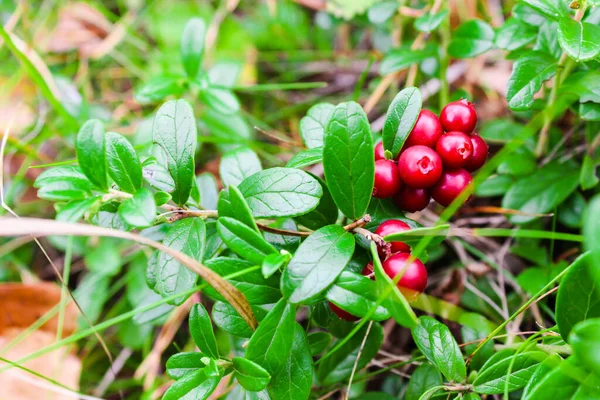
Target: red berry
(393,226)
(379,151)
(414,275)
(420,167)
(480,153)
(369,270)
(345,315)
(426,132)
(455,149)
(387,179)
(459,116)
(451,184)
(411,199)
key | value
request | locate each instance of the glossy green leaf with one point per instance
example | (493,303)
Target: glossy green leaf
(541,191)
(232,204)
(475,328)
(318,342)
(60,173)
(281,192)
(273,337)
(530,71)
(75,210)
(312,126)
(580,40)
(570,212)
(243,240)
(272,263)
(175,131)
(221,100)
(589,111)
(585,340)
(587,177)
(471,39)
(356,294)
(65,190)
(181,364)
(348,160)
(124,166)
(339,365)
(192,46)
(591,231)
(161,198)
(439,346)
(91,153)
(230,321)
(140,210)
(188,236)
(159,88)
(578,297)
(209,193)
(425,377)
(521,162)
(283,242)
(326,212)
(554,9)
(509,374)
(237,165)
(202,331)
(400,118)
(306,158)
(515,34)
(196,385)
(317,263)
(158,177)
(396,304)
(403,57)
(547,40)
(429,22)
(540,372)
(495,185)
(250,375)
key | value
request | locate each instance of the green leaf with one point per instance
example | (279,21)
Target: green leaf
(208,189)
(222,101)
(312,126)
(158,177)
(294,380)
(250,375)
(403,57)
(475,327)
(585,340)
(580,40)
(104,258)
(439,346)
(591,231)
(429,22)
(244,241)
(91,153)
(272,263)
(232,204)
(395,303)
(229,320)
(471,39)
(75,210)
(348,160)
(510,374)
(425,377)
(188,236)
(161,198)
(318,342)
(175,131)
(540,372)
(530,71)
(326,212)
(254,286)
(495,185)
(587,177)
(192,46)
(306,158)
(541,191)
(317,263)
(339,364)
(578,297)
(202,331)
(273,337)
(195,385)
(589,111)
(400,118)
(124,166)
(570,212)
(158,88)
(356,294)
(515,34)
(281,192)
(140,210)
(547,40)
(521,162)
(65,190)
(181,364)
(381,12)
(554,9)
(237,165)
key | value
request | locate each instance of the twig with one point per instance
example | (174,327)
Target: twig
(362,345)
(283,232)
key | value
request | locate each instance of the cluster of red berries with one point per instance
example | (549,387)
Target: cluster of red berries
(414,275)
(432,163)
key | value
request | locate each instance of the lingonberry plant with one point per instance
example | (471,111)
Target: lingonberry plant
(314,264)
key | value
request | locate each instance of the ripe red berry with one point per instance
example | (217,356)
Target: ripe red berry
(345,315)
(459,116)
(451,184)
(480,153)
(393,226)
(420,167)
(379,151)
(387,179)
(455,149)
(426,131)
(414,275)
(411,199)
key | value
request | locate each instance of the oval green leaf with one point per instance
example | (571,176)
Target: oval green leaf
(400,118)
(91,153)
(124,166)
